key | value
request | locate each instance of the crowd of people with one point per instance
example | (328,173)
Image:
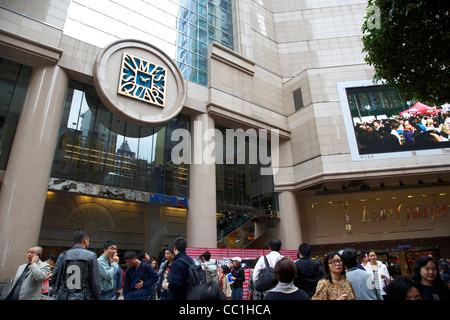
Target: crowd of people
(415,132)
(78,274)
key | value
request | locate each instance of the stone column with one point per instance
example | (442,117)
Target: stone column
(201,216)
(289,228)
(23,194)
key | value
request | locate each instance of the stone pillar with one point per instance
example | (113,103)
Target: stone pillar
(201,216)
(23,194)
(289,228)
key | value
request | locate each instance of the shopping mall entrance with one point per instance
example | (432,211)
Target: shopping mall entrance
(134,225)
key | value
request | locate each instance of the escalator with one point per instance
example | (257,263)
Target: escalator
(237,230)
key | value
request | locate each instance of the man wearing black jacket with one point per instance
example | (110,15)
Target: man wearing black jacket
(307,270)
(179,271)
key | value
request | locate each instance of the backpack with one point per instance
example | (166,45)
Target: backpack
(196,275)
(211,273)
(266,279)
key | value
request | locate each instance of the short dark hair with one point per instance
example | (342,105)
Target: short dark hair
(109,243)
(79,236)
(206,255)
(304,249)
(275,244)
(129,255)
(207,291)
(349,258)
(52,257)
(285,270)
(180,243)
(141,255)
(169,248)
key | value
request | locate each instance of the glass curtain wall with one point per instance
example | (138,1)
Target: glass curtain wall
(241,186)
(182,28)
(14,80)
(97,147)
(198,24)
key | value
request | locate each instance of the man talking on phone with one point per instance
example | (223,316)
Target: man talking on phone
(108,264)
(29,278)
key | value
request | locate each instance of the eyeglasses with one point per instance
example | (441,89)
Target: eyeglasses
(334,262)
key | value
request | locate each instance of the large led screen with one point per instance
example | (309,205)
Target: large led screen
(381,125)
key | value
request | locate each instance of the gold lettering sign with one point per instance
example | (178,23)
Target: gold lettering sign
(143,80)
(402,213)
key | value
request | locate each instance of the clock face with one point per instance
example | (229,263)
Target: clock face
(142,80)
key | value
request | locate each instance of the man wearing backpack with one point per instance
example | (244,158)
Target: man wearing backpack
(212,274)
(179,272)
(260,267)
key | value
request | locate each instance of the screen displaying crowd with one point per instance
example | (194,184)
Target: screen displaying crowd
(403,133)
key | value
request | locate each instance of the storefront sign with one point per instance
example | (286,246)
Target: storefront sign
(170,201)
(424,211)
(403,213)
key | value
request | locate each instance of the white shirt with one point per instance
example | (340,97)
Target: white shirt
(382,269)
(272,258)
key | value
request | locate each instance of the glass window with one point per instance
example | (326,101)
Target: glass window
(97,147)
(208,21)
(241,184)
(14,80)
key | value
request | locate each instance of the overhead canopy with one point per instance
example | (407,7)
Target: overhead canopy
(420,108)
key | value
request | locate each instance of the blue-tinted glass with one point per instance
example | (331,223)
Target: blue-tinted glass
(193,18)
(202,49)
(203,23)
(226,16)
(202,11)
(182,40)
(185,3)
(182,26)
(203,35)
(183,13)
(193,6)
(192,74)
(225,5)
(193,31)
(181,55)
(209,20)
(226,27)
(192,59)
(202,78)
(193,44)
(227,40)
(203,63)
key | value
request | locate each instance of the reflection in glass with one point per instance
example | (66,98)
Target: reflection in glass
(14,79)
(242,185)
(95,146)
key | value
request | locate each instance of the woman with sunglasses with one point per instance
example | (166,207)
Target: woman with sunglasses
(335,286)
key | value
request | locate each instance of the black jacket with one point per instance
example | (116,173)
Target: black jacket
(76,275)
(179,277)
(239,274)
(307,275)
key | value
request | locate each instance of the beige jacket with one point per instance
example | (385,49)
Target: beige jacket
(32,283)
